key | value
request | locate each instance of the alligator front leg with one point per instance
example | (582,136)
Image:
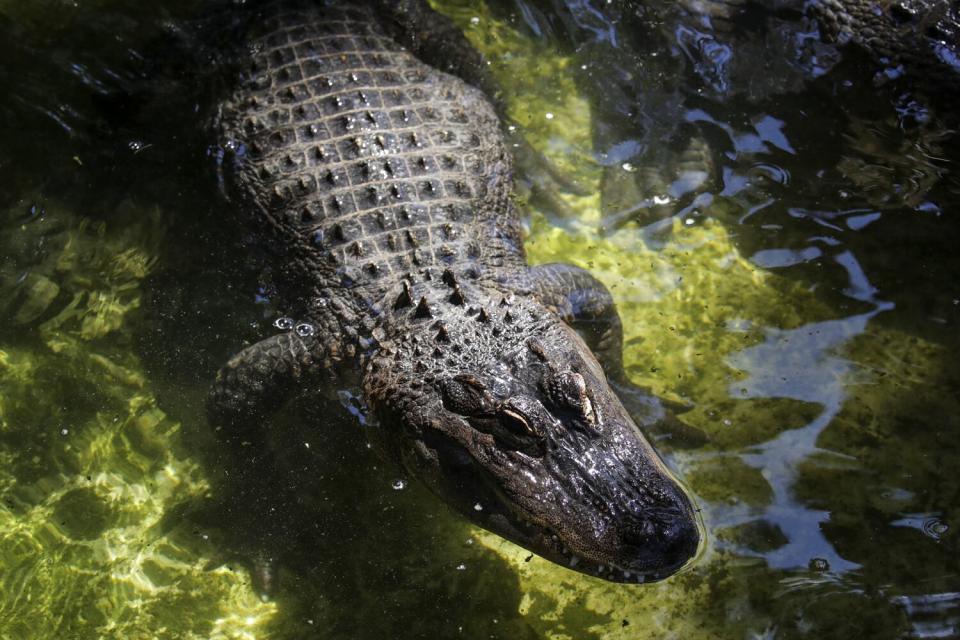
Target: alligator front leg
(256,499)
(584,303)
(260,379)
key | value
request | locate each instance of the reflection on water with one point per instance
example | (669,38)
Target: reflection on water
(778,230)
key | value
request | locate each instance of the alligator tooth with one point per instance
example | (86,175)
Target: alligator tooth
(423,309)
(573,561)
(404,299)
(448,278)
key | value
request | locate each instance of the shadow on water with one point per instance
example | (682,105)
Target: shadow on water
(824,375)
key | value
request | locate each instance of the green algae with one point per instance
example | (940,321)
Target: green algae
(90,463)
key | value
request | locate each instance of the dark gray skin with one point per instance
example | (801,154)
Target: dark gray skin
(383,187)
(923,36)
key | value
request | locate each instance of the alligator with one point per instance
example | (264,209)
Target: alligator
(381,186)
(919,37)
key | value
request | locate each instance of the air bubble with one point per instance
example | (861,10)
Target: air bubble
(935,528)
(819,565)
(399,485)
(284,323)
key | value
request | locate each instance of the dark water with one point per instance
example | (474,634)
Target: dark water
(777,226)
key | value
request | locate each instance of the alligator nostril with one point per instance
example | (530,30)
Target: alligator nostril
(659,541)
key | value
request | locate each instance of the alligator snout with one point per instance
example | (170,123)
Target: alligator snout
(657,546)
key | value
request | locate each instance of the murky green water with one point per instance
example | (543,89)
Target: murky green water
(802,301)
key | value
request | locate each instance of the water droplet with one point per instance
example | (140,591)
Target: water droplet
(461,567)
(283,323)
(305,330)
(475,20)
(549,116)
(478,507)
(628,166)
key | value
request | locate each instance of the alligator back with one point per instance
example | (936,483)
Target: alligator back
(361,162)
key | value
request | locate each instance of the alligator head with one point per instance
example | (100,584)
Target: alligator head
(504,412)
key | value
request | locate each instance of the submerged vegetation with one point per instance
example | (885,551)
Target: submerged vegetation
(821,376)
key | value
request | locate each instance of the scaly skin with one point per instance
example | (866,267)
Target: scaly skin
(382,185)
(921,35)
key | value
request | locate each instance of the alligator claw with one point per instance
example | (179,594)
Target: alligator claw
(262,566)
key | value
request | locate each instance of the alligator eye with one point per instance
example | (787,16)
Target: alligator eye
(516,425)
(567,390)
(466,395)
(515,421)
